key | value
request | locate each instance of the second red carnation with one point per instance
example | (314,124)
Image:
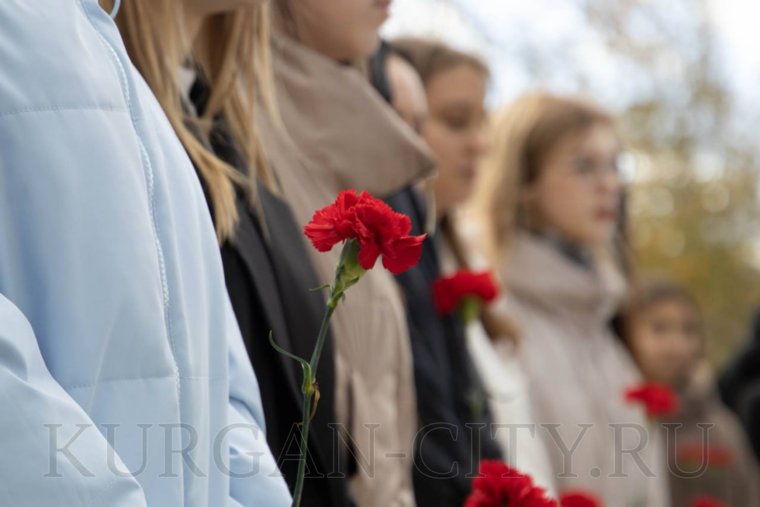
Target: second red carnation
(658,400)
(578,499)
(499,485)
(449,292)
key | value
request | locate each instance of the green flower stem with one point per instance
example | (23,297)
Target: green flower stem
(310,390)
(298,492)
(314,363)
(469,309)
(347,274)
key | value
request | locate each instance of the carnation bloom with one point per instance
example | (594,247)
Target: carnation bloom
(695,455)
(450,292)
(578,499)
(658,400)
(373,224)
(706,501)
(368,228)
(499,485)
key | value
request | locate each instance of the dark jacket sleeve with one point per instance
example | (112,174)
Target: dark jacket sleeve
(454,435)
(739,385)
(748,410)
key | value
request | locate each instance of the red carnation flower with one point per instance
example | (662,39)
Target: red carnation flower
(498,485)
(449,292)
(658,400)
(333,224)
(706,501)
(373,224)
(578,499)
(694,454)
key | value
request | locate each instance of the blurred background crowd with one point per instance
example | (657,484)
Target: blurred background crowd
(681,76)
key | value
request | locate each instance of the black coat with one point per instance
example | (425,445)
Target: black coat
(450,397)
(740,385)
(269,279)
(269,284)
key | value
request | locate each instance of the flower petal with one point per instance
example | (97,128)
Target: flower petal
(333,223)
(368,254)
(403,253)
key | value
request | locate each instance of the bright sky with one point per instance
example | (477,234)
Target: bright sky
(737,21)
(503,30)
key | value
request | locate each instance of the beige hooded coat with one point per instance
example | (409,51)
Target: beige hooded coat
(342,135)
(577,373)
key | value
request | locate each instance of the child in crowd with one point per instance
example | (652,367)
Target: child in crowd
(708,453)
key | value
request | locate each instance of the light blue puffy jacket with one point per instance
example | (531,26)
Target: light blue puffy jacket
(123,377)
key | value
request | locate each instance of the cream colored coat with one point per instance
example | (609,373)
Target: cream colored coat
(510,405)
(342,135)
(503,380)
(577,374)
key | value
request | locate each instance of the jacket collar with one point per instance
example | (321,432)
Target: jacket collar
(538,271)
(342,125)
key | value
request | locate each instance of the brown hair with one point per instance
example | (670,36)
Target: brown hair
(649,292)
(430,57)
(523,134)
(232,54)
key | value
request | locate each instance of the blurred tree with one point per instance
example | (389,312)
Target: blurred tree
(701,233)
(694,210)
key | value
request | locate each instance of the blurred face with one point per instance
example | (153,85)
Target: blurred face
(455,131)
(666,342)
(343,30)
(578,190)
(407,91)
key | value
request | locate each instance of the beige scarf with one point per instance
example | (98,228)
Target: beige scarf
(342,135)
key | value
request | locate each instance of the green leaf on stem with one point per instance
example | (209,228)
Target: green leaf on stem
(308,381)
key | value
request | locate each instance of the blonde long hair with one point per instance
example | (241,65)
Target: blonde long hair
(231,52)
(522,135)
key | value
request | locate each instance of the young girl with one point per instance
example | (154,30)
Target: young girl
(339,134)
(220,53)
(454,86)
(708,453)
(125,381)
(548,199)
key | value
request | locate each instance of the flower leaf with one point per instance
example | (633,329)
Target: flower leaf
(308,381)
